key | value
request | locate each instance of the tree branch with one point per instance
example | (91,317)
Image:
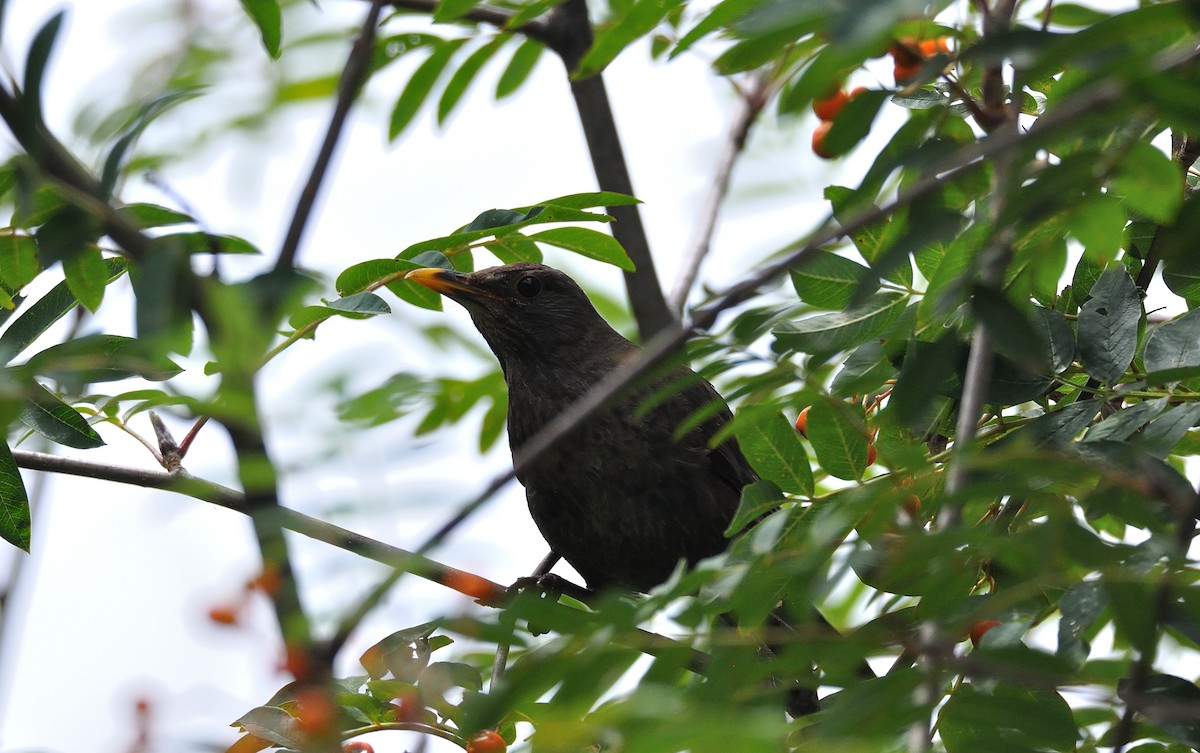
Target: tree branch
(749,107)
(353,76)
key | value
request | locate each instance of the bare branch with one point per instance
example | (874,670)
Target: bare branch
(353,76)
(749,107)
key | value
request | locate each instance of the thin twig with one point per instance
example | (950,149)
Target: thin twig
(749,106)
(353,76)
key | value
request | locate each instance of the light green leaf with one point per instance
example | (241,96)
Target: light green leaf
(419,86)
(1149,183)
(769,442)
(87,275)
(838,435)
(587,242)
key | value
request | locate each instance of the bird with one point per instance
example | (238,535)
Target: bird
(631,492)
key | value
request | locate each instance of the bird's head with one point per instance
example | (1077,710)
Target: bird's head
(525,311)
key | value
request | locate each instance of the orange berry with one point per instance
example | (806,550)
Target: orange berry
(802,422)
(406,707)
(225,614)
(488,741)
(267,582)
(980,628)
(931,47)
(357,747)
(871,453)
(827,108)
(818,140)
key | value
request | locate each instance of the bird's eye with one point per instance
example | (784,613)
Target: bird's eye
(529,286)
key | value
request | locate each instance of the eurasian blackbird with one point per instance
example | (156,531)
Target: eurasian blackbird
(624,497)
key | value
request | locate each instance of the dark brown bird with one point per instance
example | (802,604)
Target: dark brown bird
(624,497)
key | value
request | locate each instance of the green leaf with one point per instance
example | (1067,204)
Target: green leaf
(1171,351)
(1108,326)
(1080,607)
(640,19)
(831,333)
(769,442)
(390,273)
(462,78)
(46,311)
(269,20)
(519,67)
(35,67)
(828,281)
(1053,329)
(66,234)
(1159,699)
(1161,435)
(864,370)
(1149,183)
(165,287)
(275,725)
(1013,334)
(514,248)
(452,10)
(758,499)
(367,304)
(1008,719)
(838,434)
(14,502)
(145,115)
(102,358)
(1121,425)
(419,86)
(208,243)
(87,276)
(587,242)
(592,199)
(153,215)
(1098,222)
(18,261)
(1059,427)
(49,416)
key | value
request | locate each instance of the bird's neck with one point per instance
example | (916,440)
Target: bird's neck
(539,390)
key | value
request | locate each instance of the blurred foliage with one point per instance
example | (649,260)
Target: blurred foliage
(1051,157)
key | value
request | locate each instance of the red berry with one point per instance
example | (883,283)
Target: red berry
(357,747)
(871,453)
(488,741)
(818,140)
(802,422)
(980,628)
(905,51)
(912,505)
(906,71)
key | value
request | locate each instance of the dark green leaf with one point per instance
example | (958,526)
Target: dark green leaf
(1161,435)
(1108,326)
(1172,352)
(14,502)
(164,285)
(929,370)
(769,442)
(66,234)
(102,358)
(1059,427)
(1080,607)
(1121,425)
(361,303)
(864,370)
(419,86)
(1013,334)
(1053,328)
(46,311)
(830,333)
(1009,719)
(55,420)
(1160,699)
(369,275)
(269,20)
(587,242)
(35,67)
(519,68)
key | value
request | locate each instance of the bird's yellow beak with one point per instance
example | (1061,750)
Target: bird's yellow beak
(441,280)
